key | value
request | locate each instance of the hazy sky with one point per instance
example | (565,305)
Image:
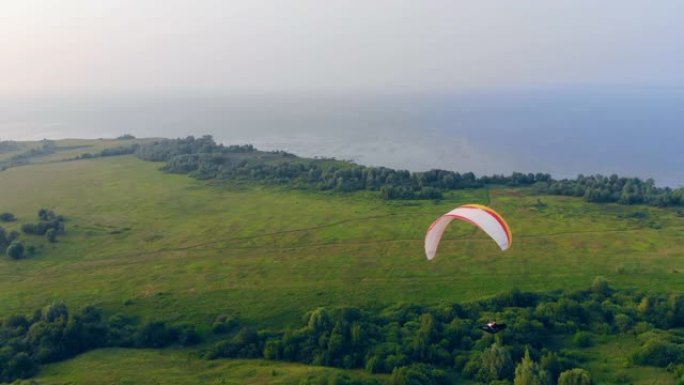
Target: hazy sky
(275,46)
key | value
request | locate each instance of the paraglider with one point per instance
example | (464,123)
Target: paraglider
(493,327)
(481,216)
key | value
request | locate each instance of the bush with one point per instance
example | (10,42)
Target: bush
(188,335)
(658,352)
(156,335)
(575,377)
(224,324)
(51,235)
(600,286)
(15,250)
(245,344)
(21,366)
(583,339)
(418,374)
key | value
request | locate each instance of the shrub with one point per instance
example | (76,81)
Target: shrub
(658,352)
(583,339)
(156,335)
(15,250)
(575,377)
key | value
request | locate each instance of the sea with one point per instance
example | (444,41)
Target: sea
(628,131)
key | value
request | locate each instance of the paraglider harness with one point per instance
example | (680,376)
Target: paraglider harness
(493,327)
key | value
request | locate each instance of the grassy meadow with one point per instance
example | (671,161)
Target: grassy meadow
(171,367)
(165,246)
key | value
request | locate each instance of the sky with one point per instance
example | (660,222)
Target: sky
(490,86)
(81,47)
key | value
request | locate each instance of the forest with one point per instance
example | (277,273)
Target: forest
(203,158)
(54,333)
(414,344)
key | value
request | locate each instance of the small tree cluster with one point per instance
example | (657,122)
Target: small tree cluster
(9,244)
(600,188)
(54,333)
(50,225)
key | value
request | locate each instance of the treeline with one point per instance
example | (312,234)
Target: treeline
(112,151)
(412,342)
(50,225)
(204,158)
(47,147)
(599,188)
(54,333)
(8,146)
(167,149)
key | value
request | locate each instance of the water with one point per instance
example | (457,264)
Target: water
(627,131)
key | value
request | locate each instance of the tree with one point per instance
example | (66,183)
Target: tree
(555,364)
(21,366)
(497,364)
(529,372)
(3,239)
(622,322)
(51,235)
(575,377)
(12,236)
(7,217)
(155,334)
(56,312)
(583,339)
(15,250)
(422,338)
(45,214)
(600,286)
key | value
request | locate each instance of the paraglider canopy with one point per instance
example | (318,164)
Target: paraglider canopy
(481,216)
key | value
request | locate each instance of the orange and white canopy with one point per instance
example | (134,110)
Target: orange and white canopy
(481,216)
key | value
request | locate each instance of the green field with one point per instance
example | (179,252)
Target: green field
(153,367)
(609,364)
(170,247)
(137,366)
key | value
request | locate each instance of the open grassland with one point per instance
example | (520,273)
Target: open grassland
(152,367)
(171,247)
(65,149)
